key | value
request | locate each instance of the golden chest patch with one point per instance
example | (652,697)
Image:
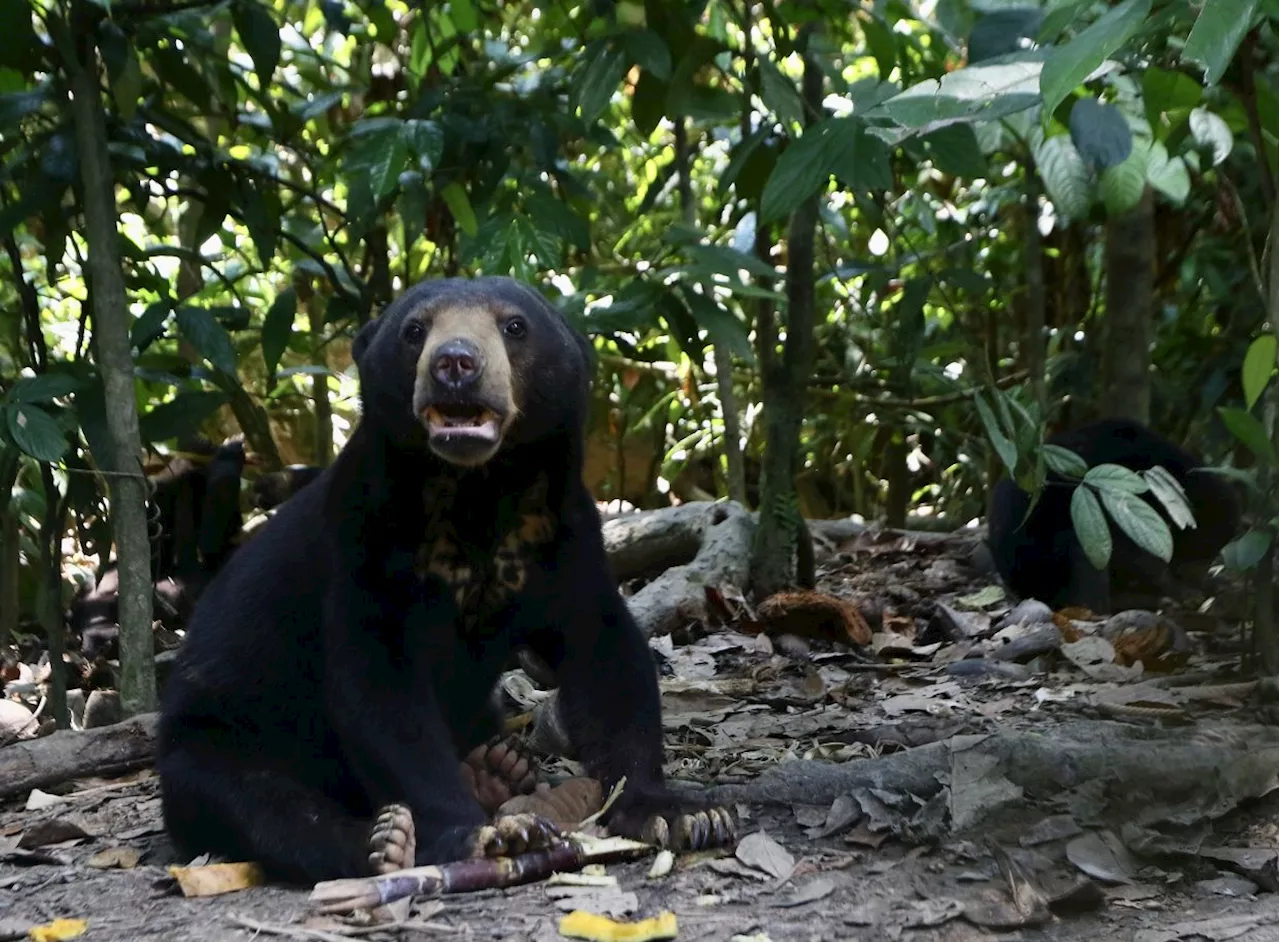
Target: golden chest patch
(483,586)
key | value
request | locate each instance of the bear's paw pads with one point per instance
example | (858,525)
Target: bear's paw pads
(497,771)
(392,842)
(691,831)
(514,834)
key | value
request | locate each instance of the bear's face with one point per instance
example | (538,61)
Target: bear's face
(464,366)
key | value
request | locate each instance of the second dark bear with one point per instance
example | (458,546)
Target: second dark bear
(340,665)
(1042,558)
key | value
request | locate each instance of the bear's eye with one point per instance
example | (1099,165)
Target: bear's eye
(516,327)
(414,332)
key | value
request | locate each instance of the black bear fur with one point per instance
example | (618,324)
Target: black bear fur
(1042,558)
(343,660)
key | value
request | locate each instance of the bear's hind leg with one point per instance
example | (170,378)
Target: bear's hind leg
(217,801)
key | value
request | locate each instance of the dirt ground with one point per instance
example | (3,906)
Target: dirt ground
(745,696)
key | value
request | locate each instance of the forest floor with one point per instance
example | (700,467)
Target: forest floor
(742,697)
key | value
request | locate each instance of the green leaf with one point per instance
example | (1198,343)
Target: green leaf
(882,44)
(277,326)
(1121,187)
(779,93)
(1140,522)
(209,338)
(463,14)
(955,149)
(976,93)
(650,52)
(181,415)
(649,102)
(22,48)
(43,388)
(1168,174)
(1067,66)
(1217,32)
(1211,132)
(149,325)
(1168,96)
(1100,133)
(1258,368)
(1251,432)
(260,36)
(722,326)
(1169,491)
(426,140)
(35,431)
(377,154)
(455,197)
(729,261)
(1066,178)
(598,81)
(1091,527)
(1247,550)
(127,89)
(17,105)
(1001,32)
(1064,461)
(1115,477)
(999,441)
(835,146)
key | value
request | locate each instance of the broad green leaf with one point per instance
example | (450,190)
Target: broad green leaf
(1247,550)
(277,326)
(181,415)
(881,42)
(730,261)
(598,80)
(1064,461)
(650,52)
(43,388)
(955,149)
(1139,521)
(377,154)
(1168,96)
(779,93)
(1168,174)
(1211,132)
(208,337)
(649,102)
(1121,187)
(1216,35)
(455,197)
(1091,527)
(1258,368)
(1251,432)
(1100,133)
(149,325)
(1169,491)
(838,146)
(1067,66)
(35,431)
(22,48)
(1115,477)
(127,89)
(976,93)
(260,35)
(722,326)
(1002,31)
(999,441)
(1066,178)
(463,14)
(425,140)
(17,105)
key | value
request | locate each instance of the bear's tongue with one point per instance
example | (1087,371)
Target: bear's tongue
(462,421)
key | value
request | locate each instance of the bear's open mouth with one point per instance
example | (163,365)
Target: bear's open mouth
(469,421)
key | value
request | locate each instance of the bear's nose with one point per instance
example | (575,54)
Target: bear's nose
(457,364)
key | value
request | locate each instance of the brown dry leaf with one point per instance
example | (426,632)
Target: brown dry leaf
(53,831)
(565,805)
(58,930)
(216,879)
(1160,645)
(124,858)
(813,615)
(762,852)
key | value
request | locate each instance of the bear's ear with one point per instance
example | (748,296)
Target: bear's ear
(364,337)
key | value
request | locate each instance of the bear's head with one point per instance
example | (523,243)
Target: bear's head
(466,366)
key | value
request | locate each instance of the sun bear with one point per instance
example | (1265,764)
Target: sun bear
(1042,558)
(339,668)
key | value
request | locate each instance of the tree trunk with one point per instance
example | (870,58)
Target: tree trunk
(774,550)
(10,556)
(1126,352)
(896,473)
(51,529)
(126,480)
(1033,252)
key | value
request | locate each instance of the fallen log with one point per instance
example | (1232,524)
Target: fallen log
(68,754)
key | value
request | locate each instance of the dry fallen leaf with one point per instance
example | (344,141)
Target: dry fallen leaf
(762,852)
(125,858)
(58,930)
(580,925)
(571,801)
(813,615)
(53,831)
(39,800)
(216,879)
(1102,856)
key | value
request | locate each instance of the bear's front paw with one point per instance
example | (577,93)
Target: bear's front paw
(663,822)
(514,834)
(392,840)
(497,771)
